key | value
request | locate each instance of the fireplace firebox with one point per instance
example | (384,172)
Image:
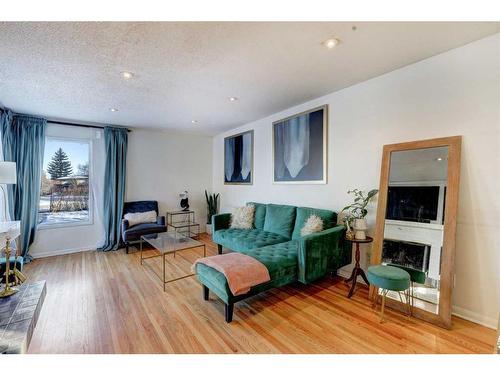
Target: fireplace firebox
(407,254)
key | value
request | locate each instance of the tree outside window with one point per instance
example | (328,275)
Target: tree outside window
(65,183)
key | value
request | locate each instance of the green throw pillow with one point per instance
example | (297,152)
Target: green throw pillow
(280,219)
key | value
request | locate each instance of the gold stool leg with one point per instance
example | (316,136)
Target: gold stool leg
(412,299)
(384,293)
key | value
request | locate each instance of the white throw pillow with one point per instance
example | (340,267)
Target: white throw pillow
(242,217)
(313,224)
(140,217)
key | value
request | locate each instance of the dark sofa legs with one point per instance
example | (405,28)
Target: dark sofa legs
(206,293)
(228,311)
(219,248)
(228,308)
(126,248)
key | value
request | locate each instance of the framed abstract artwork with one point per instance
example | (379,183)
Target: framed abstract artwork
(300,148)
(238,159)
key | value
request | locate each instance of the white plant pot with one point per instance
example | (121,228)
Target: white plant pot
(359,228)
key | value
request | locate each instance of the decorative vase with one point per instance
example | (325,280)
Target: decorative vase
(360,227)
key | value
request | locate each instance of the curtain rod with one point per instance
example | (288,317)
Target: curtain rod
(76,124)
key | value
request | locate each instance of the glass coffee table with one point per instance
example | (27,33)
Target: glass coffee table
(169,243)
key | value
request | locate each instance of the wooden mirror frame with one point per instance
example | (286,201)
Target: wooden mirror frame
(443,318)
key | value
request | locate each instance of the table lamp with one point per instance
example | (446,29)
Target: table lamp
(8,175)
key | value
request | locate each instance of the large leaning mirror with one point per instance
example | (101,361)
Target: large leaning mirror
(416,223)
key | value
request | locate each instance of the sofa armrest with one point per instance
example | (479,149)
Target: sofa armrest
(220,221)
(160,220)
(318,253)
(125,225)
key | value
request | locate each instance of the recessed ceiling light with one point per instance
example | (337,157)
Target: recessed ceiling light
(233,98)
(194,121)
(126,75)
(439,159)
(113,110)
(331,43)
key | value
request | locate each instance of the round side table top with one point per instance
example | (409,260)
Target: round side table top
(368,239)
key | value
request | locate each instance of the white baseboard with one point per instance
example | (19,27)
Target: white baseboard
(45,254)
(474,317)
(456,310)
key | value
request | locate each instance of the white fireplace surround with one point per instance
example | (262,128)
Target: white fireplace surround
(423,233)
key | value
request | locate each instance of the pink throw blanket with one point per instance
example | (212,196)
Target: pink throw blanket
(242,271)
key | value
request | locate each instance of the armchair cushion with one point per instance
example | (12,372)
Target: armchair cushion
(135,218)
(135,232)
(140,206)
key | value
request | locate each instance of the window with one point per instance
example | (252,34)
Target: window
(64,195)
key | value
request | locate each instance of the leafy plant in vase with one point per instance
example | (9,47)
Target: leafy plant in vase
(357,212)
(212,209)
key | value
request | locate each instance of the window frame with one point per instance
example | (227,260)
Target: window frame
(90,221)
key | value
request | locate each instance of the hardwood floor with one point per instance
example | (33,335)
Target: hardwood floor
(108,303)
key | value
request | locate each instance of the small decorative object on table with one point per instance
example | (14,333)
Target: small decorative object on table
(357,211)
(357,270)
(212,209)
(347,220)
(184,200)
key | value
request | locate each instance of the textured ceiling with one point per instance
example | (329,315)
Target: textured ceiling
(187,70)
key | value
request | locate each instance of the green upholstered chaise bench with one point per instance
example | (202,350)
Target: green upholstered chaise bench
(276,242)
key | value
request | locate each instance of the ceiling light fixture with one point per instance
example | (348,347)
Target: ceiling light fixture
(113,110)
(233,98)
(331,43)
(194,121)
(438,159)
(126,75)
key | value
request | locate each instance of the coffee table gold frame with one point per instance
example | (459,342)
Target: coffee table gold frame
(164,256)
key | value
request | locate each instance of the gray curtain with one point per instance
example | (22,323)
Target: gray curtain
(115,141)
(23,142)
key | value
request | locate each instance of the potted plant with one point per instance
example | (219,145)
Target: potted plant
(212,209)
(357,211)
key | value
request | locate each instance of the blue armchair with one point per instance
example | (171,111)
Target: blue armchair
(134,232)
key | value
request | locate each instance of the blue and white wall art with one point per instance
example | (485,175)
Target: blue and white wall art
(238,158)
(300,148)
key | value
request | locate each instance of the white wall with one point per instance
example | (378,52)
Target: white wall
(455,93)
(162,164)
(70,239)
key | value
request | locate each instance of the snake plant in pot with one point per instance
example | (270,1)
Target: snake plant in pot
(357,211)
(212,209)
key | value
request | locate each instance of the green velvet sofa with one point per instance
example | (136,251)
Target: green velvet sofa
(276,242)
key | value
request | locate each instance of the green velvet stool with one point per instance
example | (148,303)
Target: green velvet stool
(416,276)
(389,278)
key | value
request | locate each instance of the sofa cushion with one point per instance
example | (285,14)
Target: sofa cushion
(134,233)
(280,259)
(329,219)
(245,239)
(259,215)
(280,219)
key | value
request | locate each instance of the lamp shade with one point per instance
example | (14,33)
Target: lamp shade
(8,173)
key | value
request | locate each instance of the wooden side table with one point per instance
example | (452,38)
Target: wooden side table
(357,270)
